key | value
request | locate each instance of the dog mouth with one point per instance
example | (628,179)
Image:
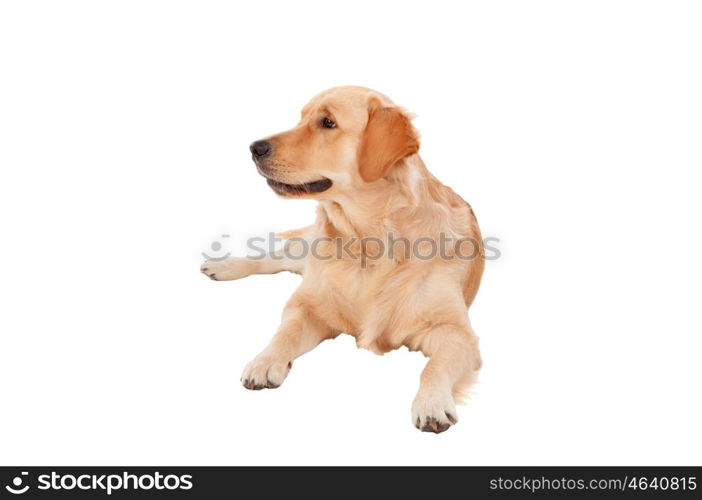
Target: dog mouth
(298,189)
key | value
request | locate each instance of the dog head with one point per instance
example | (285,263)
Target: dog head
(347,138)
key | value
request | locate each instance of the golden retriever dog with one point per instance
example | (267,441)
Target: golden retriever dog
(356,154)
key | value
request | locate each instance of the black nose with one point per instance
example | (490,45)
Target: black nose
(260,149)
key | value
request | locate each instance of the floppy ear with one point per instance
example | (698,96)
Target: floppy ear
(388,138)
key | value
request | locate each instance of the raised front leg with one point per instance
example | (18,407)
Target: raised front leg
(290,258)
(300,331)
(234,268)
(452,368)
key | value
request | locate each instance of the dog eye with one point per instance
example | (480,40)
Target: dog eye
(327,123)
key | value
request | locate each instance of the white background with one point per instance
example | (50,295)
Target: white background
(573,128)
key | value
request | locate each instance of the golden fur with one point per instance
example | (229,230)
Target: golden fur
(379,185)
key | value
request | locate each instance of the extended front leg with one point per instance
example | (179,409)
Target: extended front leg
(234,268)
(290,258)
(452,368)
(300,331)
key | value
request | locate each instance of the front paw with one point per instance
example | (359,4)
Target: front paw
(232,268)
(265,372)
(433,411)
